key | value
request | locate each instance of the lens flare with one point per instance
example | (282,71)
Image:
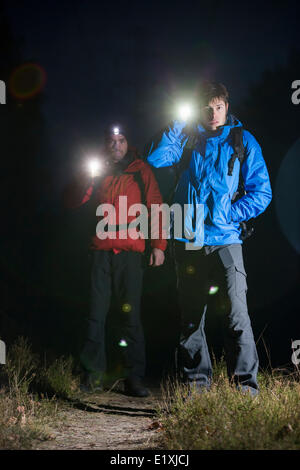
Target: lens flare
(27,81)
(126,308)
(287,196)
(190,269)
(122,343)
(213,290)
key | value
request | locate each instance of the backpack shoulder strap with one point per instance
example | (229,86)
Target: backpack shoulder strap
(139,180)
(180,167)
(137,176)
(236,136)
(188,149)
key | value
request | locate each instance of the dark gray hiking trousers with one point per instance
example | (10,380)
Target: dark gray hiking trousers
(197,272)
(119,275)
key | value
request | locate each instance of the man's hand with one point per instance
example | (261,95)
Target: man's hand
(157,257)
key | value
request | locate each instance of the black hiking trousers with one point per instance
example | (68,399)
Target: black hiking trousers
(119,275)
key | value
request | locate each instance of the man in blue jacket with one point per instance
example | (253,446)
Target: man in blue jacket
(213,258)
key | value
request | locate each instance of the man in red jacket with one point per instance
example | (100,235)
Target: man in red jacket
(118,253)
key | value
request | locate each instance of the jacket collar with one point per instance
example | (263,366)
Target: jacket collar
(121,166)
(223,131)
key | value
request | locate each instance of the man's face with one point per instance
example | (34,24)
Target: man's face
(117,147)
(214,114)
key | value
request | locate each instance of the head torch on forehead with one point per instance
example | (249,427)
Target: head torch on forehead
(115,129)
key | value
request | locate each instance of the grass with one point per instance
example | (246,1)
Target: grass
(29,395)
(222,418)
(58,379)
(225,419)
(24,419)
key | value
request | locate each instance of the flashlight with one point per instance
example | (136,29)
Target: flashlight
(185,111)
(94,167)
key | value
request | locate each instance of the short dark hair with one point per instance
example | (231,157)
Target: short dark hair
(209,91)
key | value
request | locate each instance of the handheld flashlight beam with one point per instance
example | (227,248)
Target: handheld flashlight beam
(94,167)
(185,112)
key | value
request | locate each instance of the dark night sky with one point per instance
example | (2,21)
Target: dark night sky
(136,58)
(105,61)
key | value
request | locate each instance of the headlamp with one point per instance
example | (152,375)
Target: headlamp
(116,128)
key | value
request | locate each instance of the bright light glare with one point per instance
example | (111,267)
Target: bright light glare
(213,290)
(116,131)
(94,166)
(185,111)
(126,307)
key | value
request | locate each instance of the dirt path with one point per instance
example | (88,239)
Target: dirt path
(106,421)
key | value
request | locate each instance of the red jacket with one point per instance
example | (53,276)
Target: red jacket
(111,187)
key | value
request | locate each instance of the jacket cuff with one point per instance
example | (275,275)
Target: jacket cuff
(161,244)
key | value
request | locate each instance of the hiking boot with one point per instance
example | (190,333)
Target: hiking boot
(193,389)
(91,383)
(135,388)
(248,390)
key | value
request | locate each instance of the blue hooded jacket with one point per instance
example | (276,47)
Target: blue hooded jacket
(206,185)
